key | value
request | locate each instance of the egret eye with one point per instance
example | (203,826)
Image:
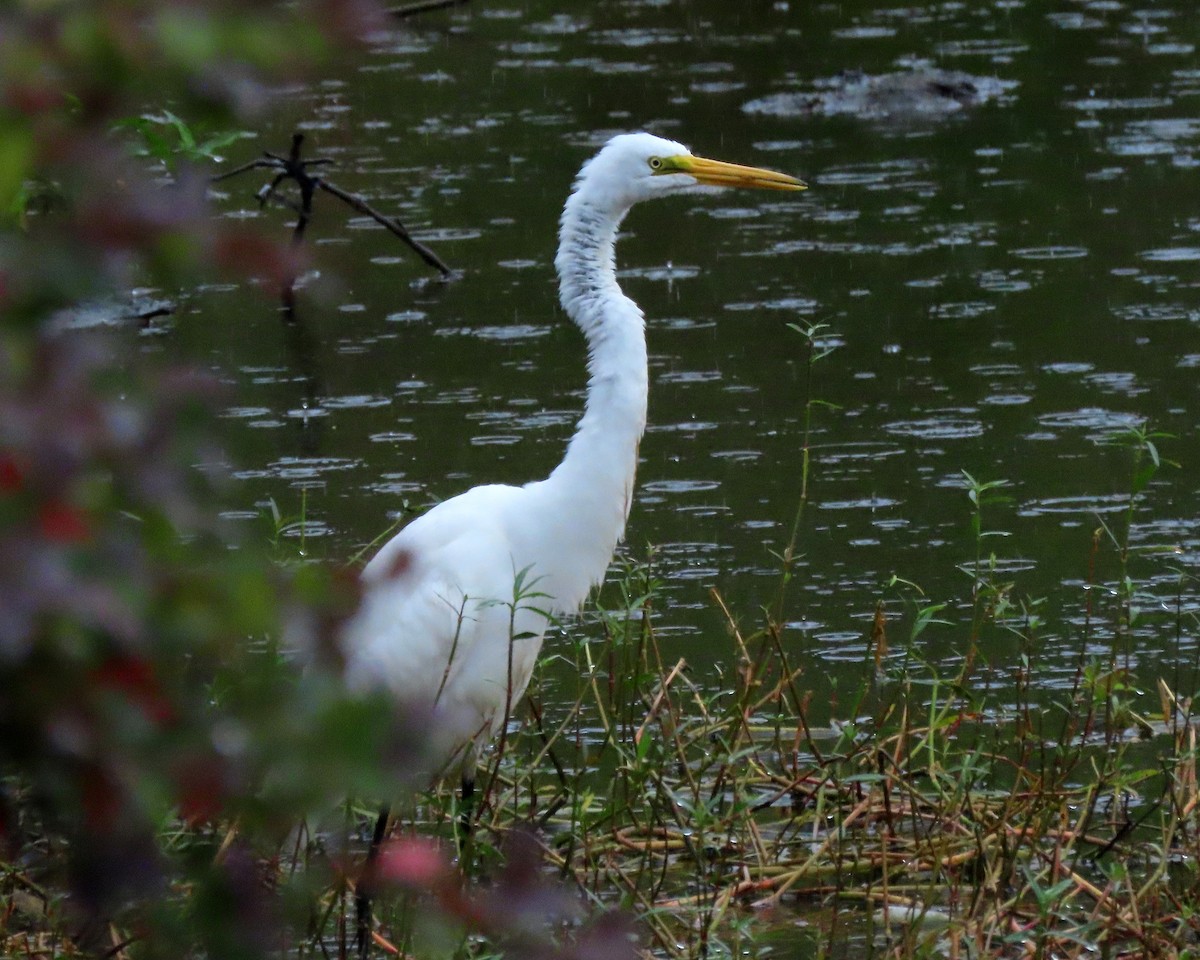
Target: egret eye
(656,163)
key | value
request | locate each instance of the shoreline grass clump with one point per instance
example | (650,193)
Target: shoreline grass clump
(934,815)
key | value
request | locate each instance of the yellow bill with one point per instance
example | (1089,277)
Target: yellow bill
(718,173)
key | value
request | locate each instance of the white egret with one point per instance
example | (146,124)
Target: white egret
(441,626)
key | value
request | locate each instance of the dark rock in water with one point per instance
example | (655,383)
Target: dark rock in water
(140,307)
(910,94)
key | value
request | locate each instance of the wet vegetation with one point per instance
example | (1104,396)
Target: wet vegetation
(977,813)
(172,785)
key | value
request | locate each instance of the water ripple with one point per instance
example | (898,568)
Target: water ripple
(1156,311)
(961,311)
(900,248)
(668,271)
(512,331)
(1095,104)
(354,401)
(869,451)
(1172,254)
(1124,383)
(861,503)
(690,376)
(936,428)
(680,486)
(300,468)
(1100,422)
(792,304)
(1067,367)
(1086,504)
(1050,253)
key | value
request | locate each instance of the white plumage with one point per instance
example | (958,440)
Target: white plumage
(440,626)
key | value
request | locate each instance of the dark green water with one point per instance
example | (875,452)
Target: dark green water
(1006,287)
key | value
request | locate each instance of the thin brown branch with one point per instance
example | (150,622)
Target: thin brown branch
(423,6)
(294,168)
(391,223)
(252,165)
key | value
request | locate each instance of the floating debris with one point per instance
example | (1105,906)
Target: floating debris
(908,94)
(139,307)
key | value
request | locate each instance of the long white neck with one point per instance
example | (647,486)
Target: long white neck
(588,495)
(614,419)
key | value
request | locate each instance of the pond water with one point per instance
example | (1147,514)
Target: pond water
(1005,286)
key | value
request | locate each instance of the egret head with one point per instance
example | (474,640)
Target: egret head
(640,166)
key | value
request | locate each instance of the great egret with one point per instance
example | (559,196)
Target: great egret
(442,625)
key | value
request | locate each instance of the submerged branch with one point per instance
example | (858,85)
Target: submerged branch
(423,6)
(391,223)
(294,168)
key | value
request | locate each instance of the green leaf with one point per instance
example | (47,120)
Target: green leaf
(1143,475)
(643,745)
(16,159)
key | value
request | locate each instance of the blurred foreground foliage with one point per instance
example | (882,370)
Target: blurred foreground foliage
(157,748)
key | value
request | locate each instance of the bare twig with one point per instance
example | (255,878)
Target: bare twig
(423,6)
(252,165)
(391,223)
(294,168)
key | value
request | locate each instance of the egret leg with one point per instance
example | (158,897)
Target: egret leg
(466,817)
(366,884)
